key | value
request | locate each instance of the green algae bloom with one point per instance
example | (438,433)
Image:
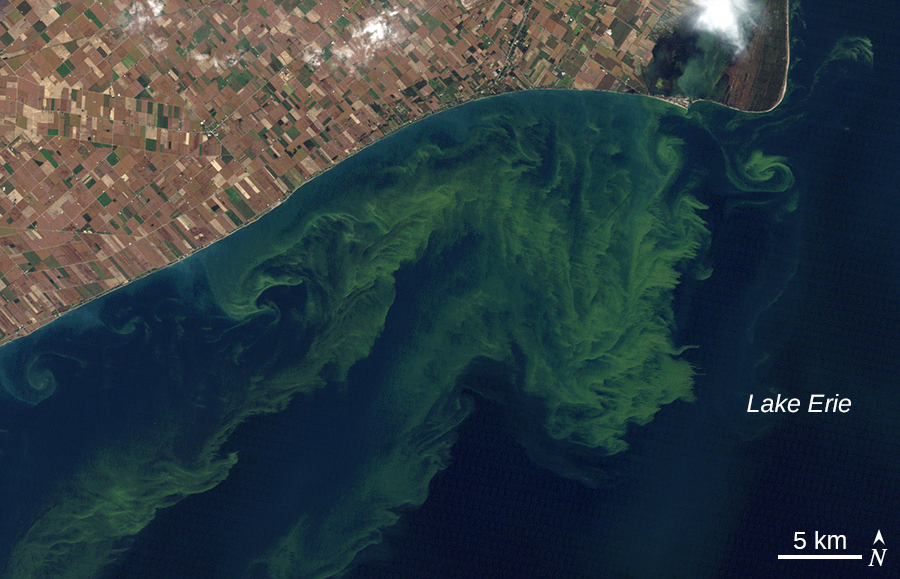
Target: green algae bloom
(544,233)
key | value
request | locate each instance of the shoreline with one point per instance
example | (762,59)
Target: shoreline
(787,68)
(676,101)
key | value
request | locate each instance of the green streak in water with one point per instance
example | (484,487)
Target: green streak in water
(576,215)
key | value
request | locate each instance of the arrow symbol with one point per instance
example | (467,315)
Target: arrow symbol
(878,538)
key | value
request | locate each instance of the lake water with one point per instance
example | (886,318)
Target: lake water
(516,339)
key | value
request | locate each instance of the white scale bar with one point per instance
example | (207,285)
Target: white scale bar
(820,556)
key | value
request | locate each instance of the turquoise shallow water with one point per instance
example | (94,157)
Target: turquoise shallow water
(512,283)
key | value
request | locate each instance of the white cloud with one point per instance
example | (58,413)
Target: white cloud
(143,13)
(366,38)
(159,43)
(140,27)
(312,57)
(206,60)
(730,20)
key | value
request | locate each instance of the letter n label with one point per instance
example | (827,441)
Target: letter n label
(877,555)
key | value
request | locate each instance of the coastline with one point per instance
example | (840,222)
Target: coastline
(787,67)
(24,331)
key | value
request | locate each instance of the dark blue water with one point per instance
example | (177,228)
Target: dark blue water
(710,491)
